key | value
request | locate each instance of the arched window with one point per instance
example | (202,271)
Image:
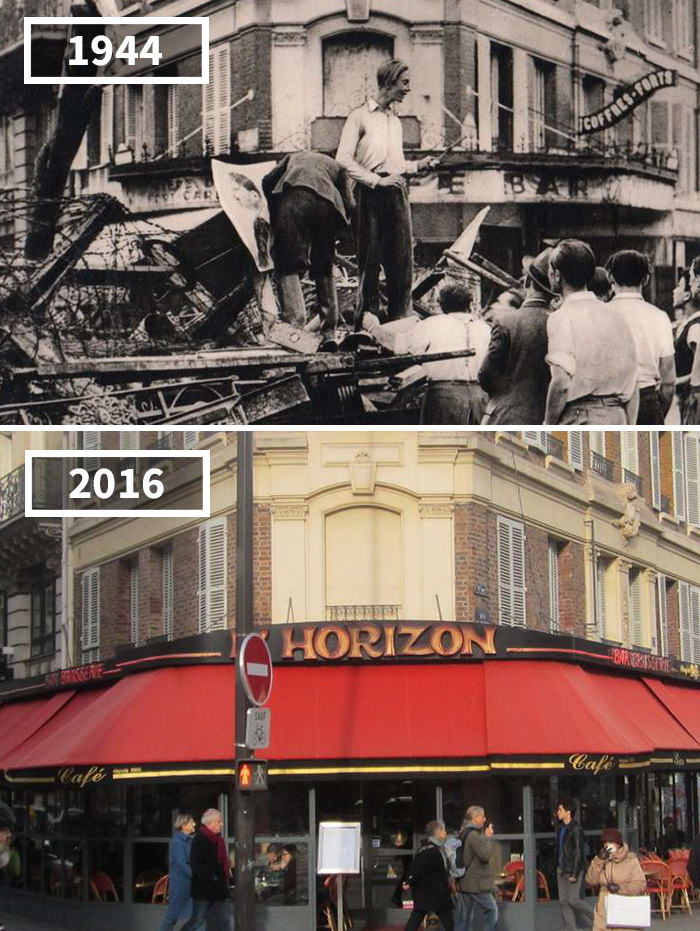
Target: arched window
(350,62)
(364,564)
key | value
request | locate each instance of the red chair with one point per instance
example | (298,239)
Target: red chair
(658,883)
(681,884)
(512,874)
(102,887)
(160,890)
(542,888)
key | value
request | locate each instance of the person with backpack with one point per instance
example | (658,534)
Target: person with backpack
(429,880)
(476,885)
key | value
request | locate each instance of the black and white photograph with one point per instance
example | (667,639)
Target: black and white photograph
(370,211)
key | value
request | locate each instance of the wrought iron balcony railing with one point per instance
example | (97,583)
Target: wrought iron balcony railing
(633,479)
(555,447)
(665,504)
(602,466)
(46,488)
(12,494)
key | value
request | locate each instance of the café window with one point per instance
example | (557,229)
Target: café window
(350,63)
(43,598)
(368,539)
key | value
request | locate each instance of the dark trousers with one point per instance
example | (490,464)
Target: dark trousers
(453,402)
(416,917)
(650,412)
(383,238)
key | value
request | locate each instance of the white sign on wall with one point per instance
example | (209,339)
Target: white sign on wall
(339,847)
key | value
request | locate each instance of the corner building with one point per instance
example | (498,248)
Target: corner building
(489,618)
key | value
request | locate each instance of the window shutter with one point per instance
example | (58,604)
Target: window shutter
(90,639)
(91,440)
(635,608)
(190,438)
(695,622)
(168,594)
(106,123)
(536,438)
(173,119)
(601,572)
(212,575)
(511,572)
(576,448)
(223,103)
(692,479)
(209,106)
(553,585)
(678,476)
(128,439)
(662,614)
(134,602)
(684,609)
(630,455)
(655,462)
(596,440)
(133,118)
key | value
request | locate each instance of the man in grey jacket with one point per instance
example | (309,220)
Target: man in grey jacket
(476,886)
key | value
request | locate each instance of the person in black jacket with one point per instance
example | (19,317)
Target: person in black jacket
(210,875)
(429,879)
(570,866)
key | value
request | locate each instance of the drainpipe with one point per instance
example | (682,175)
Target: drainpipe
(67,594)
(594,575)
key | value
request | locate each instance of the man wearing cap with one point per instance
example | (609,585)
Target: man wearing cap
(514,373)
(591,350)
(371,151)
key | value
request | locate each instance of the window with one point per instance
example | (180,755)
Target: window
(168,593)
(7,149)
(502,97)
(511,572)
(655,467)
(689,605)
(350,63)
(554,551)
(634,600)
(653,18)
(682,27)
(216,102)
(133,119)
(629,451)
(576,449)
(212,575)
(593,92)
(662,615)
(90,614)
(43,598)
(134,601)
(678,476)
(543,108)
(596,439)
(536,438)
(106,124)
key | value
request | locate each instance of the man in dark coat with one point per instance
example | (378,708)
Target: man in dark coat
(310,199)
(571,865)
(429,879)
(514,373)
(210,875)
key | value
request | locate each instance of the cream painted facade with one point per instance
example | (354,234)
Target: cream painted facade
(366,522)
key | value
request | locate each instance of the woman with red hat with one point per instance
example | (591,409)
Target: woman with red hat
(615,869)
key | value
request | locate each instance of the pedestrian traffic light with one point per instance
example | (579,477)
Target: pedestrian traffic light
(251,775)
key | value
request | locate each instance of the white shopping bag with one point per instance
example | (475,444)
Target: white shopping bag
(627,911)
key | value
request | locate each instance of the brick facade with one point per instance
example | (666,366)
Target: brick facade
(459,44)
(251,58)
(475,548)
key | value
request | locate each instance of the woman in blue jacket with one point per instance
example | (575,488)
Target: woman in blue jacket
(180,874)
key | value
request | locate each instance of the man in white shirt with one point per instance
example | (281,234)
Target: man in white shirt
(590,347)
(371,151)
(453,395)
(653,335)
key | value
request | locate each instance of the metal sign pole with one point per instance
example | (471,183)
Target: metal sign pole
(244,907)
(340,901)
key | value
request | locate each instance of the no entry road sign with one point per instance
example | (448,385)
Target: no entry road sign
(255,667)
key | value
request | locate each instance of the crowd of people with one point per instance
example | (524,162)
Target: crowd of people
(574,343)
(452,876)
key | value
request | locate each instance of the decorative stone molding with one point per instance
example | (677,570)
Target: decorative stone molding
(363,473)
(290,511)
(426,35)
(436,509)
(291,36)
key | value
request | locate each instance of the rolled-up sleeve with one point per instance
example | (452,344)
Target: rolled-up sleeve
(347,148)
(560,344)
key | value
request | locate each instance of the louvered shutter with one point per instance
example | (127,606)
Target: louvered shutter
(662,614)
(655,464)
(173,119)
(553,585)
(209,107)
(106,123)
(133,118)
(692,479)
(600,595)
(223,103)
(190,438)
(91,440)
(678,476)
(576,448)
(134,602)
(90,639)
(630,453)
(536,438)
(511,572)
(695,622)
(635,608)
(212,575)
(128,439)
(168,594)
(684,610)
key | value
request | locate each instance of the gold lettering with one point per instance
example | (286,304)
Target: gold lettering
(582,762)
(321,642)
(70,776)
(363,640)
(290,645)
(471,638)
(414,634)
(437,635)
(389,646)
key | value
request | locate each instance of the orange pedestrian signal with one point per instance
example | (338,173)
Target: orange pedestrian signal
(251,775)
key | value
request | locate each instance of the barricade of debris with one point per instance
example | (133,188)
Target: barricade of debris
(129,322)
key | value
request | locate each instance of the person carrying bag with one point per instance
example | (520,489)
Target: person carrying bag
(618,873)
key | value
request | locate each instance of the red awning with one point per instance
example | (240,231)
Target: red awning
(19,720)
(682,701)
